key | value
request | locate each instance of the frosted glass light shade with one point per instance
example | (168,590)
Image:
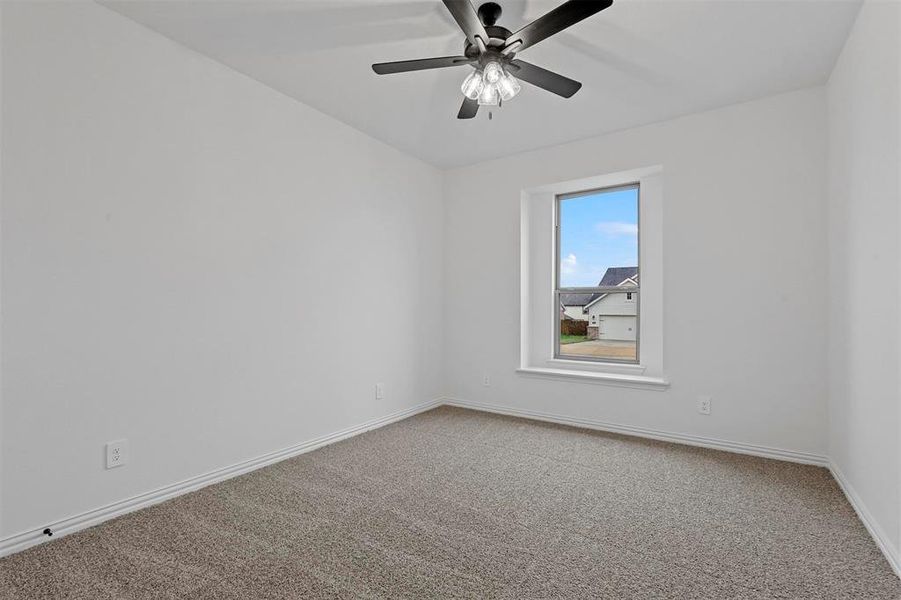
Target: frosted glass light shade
(493,72)
(472,85)
(489,95)
(508,87)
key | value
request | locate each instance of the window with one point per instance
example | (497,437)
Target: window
(597,267)
(572,232)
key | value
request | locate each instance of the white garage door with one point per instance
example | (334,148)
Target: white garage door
(617,328)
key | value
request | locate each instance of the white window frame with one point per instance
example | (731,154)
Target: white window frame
(538,273)
(559,290)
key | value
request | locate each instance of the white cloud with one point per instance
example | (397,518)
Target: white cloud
(615,228)
(569,264)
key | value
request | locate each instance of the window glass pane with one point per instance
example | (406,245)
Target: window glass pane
(598,247)
(604,327)
(598,237)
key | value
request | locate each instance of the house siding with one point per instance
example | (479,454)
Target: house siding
(615,317)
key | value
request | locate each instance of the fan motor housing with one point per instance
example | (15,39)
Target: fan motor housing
(497,38)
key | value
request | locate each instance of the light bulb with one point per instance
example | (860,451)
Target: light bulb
(472,85)
(508,87)
(493,72)
(488,96)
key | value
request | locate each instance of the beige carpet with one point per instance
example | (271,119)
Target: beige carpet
(455,503)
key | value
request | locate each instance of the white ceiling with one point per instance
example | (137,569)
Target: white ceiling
(640,61)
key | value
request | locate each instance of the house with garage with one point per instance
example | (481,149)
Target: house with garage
(613,315)
(574,306)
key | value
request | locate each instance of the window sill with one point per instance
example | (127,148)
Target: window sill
(594,366)
(618,379)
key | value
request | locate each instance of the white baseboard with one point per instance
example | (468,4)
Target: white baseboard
(891,553)
(654,434)
(26,539)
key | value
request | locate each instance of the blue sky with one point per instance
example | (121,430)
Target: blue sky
(596,232)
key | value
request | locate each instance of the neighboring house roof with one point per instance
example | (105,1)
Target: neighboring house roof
(576,299)
(613,276)
(617,276)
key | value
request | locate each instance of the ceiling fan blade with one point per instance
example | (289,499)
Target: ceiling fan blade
(469,109)
(467,18)
(546,80)
(567,14)
(403,66)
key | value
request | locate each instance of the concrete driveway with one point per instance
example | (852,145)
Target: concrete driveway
(601,349)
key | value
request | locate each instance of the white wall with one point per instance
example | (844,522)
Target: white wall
(175,239)
(743,192)
(865,265)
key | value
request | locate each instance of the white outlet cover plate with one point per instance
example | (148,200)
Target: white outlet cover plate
(704,405)
(116,453)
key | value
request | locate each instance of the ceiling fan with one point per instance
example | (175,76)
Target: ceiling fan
(491,50)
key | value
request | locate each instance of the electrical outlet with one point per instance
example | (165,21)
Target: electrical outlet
(486,380)
(380,391)
(704,404)
(116,453)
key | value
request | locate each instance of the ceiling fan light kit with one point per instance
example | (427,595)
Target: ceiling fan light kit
(491,50)
(490,85)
